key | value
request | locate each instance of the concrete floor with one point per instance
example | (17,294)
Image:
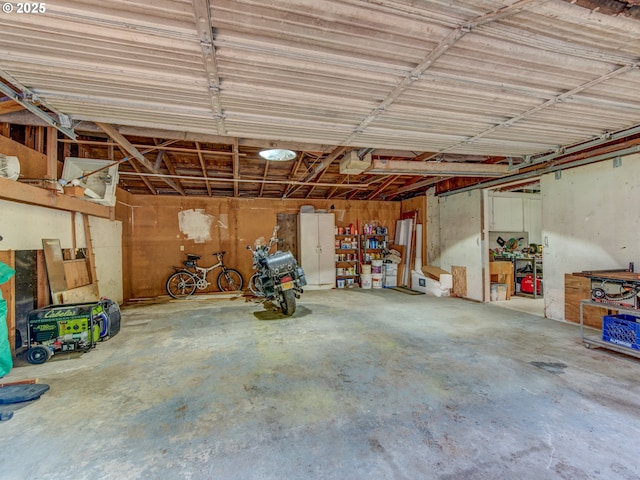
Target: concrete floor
(359,384)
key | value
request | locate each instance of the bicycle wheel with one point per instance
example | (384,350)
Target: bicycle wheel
(181,285)
(230,280)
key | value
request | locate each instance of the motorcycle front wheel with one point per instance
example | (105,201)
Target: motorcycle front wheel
(255,287)
(230,280)
(181,285)
(288,303)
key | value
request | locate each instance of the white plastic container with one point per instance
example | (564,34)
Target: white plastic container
(376,280)
(376,267)
(366,281)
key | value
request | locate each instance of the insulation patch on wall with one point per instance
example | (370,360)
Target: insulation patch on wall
(196,225)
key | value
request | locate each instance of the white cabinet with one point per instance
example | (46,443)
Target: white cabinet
(516,212)
(316,242)
(506,214)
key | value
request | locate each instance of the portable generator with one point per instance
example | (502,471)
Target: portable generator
(72,327)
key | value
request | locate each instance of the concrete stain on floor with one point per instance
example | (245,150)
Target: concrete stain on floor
(356,385)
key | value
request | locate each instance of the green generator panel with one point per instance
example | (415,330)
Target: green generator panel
(55,322)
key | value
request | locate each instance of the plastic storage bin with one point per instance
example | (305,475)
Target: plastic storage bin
(621,329)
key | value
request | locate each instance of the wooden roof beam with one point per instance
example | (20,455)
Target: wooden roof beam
(440,169)
(203,166)
(264,177)
(236,166)
(127,147)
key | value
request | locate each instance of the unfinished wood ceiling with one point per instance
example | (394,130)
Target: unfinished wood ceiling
(199,87)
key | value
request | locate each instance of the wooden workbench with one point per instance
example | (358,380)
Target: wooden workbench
(502,272)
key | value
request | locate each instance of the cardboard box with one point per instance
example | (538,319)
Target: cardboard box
(445,278)
(428,285)
(74,191)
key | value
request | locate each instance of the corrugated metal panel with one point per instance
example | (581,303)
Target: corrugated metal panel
(473,77)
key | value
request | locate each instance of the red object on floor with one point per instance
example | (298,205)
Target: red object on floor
(526,285)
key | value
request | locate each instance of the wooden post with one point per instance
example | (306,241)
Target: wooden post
(93,278)
(42,288)
(52,158)
(74,245)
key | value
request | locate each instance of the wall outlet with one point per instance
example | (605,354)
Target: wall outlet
(182,248)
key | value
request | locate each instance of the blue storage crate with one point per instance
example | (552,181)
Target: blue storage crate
(621,329)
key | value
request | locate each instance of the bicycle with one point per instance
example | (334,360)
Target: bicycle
(184,281)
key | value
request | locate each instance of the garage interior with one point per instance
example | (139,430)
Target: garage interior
(493,146)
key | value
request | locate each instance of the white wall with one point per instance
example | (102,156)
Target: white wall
(24,226)
(590,222)
(516,212)
(460,243)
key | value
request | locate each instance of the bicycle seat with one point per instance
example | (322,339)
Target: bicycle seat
(218,253)
(191,256)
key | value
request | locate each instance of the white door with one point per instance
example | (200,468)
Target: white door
(317,248)
(326,250)
(308,242)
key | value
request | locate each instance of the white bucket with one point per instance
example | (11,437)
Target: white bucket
(341,283)
(366,269)
(376,266)
(376,280)
(366,281)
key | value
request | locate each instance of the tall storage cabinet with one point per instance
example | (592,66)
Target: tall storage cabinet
(316,241)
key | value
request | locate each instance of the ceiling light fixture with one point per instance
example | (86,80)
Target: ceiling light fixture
(278,154)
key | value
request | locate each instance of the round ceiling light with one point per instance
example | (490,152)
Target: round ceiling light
(278,154)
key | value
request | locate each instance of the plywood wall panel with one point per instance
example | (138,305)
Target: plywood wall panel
(33,164)
(155,237)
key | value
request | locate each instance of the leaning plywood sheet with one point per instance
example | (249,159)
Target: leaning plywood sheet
(76,272)
(55,268)
(87,293)
(459,281)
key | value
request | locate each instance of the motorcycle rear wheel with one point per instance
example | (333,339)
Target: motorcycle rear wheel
(288,304)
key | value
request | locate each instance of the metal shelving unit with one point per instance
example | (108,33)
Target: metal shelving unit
(347,258)
(536,270)
(373,245)
(597,342)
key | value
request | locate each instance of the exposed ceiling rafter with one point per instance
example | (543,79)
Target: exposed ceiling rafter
(133,151)
(438,169)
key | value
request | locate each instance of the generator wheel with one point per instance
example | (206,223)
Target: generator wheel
(38,354)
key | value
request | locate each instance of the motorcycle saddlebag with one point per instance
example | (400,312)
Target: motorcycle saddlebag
(281,262)
(302,279)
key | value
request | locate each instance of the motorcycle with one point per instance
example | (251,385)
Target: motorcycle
(278,276)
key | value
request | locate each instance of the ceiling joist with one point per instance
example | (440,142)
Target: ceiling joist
(437,169)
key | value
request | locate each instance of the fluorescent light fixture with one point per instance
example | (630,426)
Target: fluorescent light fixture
(278,154)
